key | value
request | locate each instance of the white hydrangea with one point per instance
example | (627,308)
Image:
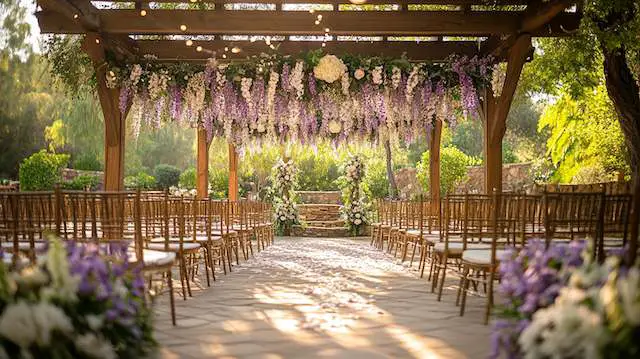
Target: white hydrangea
(63,285)
(26,324)
(158,82)
(329,69)
(396,77)
(134,76)
(95,347)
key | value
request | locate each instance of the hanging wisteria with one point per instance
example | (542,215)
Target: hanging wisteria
(276,98)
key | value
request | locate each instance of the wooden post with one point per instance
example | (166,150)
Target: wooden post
(233,173)
(202,181)
(434,166)
(496,110)
(114,119)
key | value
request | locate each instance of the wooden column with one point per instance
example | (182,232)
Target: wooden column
(114,120)
(434,166)
(496,110)
(233,173)
(202,181)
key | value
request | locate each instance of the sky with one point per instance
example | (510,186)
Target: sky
(31,19)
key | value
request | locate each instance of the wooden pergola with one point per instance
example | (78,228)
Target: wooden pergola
(422,30)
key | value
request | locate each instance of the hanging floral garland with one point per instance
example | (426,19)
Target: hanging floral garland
(284,182)
(355,208)
(278,98)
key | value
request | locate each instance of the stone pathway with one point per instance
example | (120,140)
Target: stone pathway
(310,298)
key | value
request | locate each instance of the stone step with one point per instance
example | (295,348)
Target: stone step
(336,223)
(327,232)
(320,197)
(319,212)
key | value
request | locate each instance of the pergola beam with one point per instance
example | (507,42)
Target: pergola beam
(176,50)
(366,23)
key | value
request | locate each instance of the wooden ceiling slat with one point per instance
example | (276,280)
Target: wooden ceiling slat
(447,23)
(369,2)
(171,50)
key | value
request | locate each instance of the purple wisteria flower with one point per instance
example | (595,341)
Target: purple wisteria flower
(530,279)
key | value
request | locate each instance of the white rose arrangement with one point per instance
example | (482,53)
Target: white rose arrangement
(284,183)
(354,209)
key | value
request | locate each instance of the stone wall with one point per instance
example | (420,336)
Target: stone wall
(407,181)
(325,197)
(515,177)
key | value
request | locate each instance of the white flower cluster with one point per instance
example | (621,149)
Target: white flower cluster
(354,170)
(412,82)
(194,94)
(183,192)
(245,89)
(158,82)
(134,76)
(356,213)
(498,78)
(586,317)
(285,210)
(296,79)
(344,82)
(376,75)
(396,77)
(329,69)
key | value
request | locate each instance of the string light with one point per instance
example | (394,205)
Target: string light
(317,22)
(311,11)
(189,42)
(143,12)
(97,41)
(235,50)
(326,29)
(224,56)
(75,16)
(324,44)
(358,2)
(226,49)
(199,48)
(320,17)
(183,27)
(272,47)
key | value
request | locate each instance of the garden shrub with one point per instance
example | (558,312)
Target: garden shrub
(376,183)
(41,171)
(188,178)
(141,180)
(87,162)
(219,182)
(166,176)
(453,169)
(82,182)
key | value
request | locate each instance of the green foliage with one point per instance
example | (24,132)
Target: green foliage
(70,64)
(166,176)
(376,183)
(41,171)
(188,178)
(584,134)
(141,181)
(82,183)
(453,169)
(87,162)
(219,182)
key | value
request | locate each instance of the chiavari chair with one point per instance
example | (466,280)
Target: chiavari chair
(26,218)
(175,213)
(502,223)
(461,223)
(615,222)
(395,225)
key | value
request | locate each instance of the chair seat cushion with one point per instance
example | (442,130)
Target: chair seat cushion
(154,258)
(456,247)
(174,246)
(481,256)
(24,246)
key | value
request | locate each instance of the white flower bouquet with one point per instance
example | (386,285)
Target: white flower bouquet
(284,183)
(355,209)
(75,303)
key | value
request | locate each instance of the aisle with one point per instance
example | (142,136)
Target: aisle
(307,298)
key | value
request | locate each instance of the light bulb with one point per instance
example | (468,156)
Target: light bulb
(224,56)
(143,12)
(75,16)
(311,11)
(326,29)
(320,17)
(183,27)
(199,48)
(317,22)
(235,50)
(97,41)
(324,44)
(226,49)
(358,2)
(189,42)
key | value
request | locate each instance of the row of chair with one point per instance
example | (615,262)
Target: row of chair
(163,231)
(466,234)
